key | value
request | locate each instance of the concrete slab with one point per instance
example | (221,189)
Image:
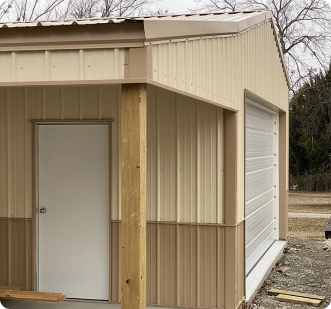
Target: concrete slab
(262,270)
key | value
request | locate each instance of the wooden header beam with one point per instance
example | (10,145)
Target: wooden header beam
(133,224)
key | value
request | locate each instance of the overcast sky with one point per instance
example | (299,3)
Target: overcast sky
(178,6)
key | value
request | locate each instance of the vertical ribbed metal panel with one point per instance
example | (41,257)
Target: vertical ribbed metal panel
(220,267)
(187,266)
(152,167)
(167,265)
(240,262)
(207,163)
(17,107)
(187,160)
(207,238)
(6,66)
(63,65)
(152,263)
(52,103)
(103,64)
(166,156)
(16,254)
(89,102)
(4,154)
(4,254)
(261,183)
(185,153)
(16,153)
(220,68)
(115,260)
(29,66)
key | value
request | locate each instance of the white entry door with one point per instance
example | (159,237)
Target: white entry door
(73,210)
(261,182)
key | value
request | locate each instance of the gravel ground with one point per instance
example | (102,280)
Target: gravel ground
(306,264)
(305,267)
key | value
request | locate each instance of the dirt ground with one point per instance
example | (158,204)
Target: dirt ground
(310,202)
(306,264)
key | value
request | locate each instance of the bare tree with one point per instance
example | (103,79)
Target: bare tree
(109,8)
(303,29)
(26,10)
(4,8)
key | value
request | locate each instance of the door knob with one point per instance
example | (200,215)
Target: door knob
(42,210)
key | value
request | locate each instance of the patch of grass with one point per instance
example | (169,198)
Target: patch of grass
(308,228)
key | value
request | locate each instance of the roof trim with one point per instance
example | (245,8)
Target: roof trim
(151,29)
(226,23)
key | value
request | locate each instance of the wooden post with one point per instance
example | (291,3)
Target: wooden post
(133,225)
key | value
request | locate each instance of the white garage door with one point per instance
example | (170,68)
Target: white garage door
(261,195)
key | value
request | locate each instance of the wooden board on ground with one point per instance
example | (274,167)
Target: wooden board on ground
(11,287)
(299,300)
(284,292)
(31,295)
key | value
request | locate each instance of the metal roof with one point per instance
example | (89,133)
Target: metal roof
(157,28)
(233,17)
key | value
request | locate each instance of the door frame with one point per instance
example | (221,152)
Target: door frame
(35,212)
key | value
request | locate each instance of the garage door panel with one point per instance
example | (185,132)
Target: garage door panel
(253,165)
(261,180)
(259,202)
(262,215)
(263,126)
(256,113)
(259,144)
(257,249)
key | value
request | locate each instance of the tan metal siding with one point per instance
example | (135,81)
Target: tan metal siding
(17,107)
(28,66)
(64,65)
(185,155)
(207,238)
(4,252)
(4,155)
(188,266)
(240,263)
(16,254)
(16,154)
(167,265)
(115,262)
(187,160)
(166,156)
(185,266)
(152,262)
(219,68)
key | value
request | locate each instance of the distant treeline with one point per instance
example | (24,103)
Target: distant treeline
(310,135)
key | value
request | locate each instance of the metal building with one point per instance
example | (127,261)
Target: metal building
(156,145)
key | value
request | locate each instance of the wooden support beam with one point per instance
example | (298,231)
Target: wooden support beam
(31,295)
(133,224)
